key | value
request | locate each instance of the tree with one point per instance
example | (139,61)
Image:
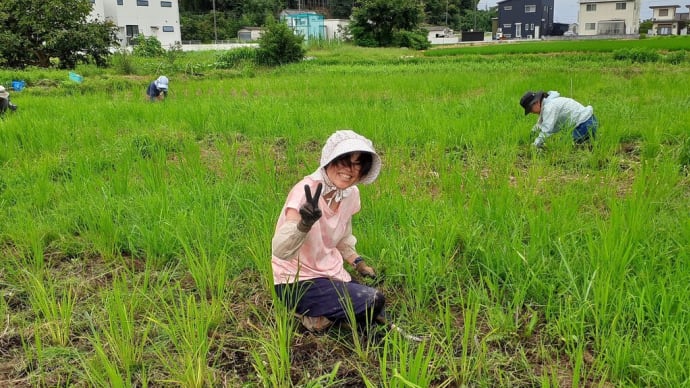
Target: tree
(384,22)
(279,45)
(341,9)
(476,20)
(34,31)
(257,11)
(446,12)
(645,26)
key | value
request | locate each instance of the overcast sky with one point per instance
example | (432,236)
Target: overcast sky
(565,11)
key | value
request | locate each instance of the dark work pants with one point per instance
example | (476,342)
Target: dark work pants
(332,299)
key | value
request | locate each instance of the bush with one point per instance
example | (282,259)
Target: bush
(411,39)
(147,46)
(122,61)
(279,45)
(675,57)
(233,58)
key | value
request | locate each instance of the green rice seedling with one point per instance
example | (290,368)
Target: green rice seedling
(55,305)
(188,324)
(271,357)
(210,274)
(360,345)
(327,380)
(120,344)
(103,371)
(49,365)
(404,363)
(471,362)
(3,314)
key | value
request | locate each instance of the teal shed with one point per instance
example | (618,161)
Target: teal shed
(309,24)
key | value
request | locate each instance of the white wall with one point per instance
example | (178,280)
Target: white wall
(218,46)
(606,11)
(334,28)
(151,19)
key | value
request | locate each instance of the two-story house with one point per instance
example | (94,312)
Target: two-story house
(159,18)
(609,17)
(666,20)
(524,19)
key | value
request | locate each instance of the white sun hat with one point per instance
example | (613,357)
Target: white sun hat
(162,82)
(345,141)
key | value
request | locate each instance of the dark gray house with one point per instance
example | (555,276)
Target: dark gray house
(524,19)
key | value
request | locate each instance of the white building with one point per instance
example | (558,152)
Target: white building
(609,17)
(336,28)
(440,35)
(667,20)
(159,18)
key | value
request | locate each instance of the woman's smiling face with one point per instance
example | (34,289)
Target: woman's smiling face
(345,170)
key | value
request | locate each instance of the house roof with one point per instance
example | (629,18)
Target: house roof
(435,28)
(603,1)
(664,6)
(298,12)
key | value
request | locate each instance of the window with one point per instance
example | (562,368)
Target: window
(506,26)
(590,26)
(591,7)
(663,12)
(664,29)
(508,8)
(166,4)
(120,2)
(620,6)
(131,32)
(612,28)
(168,29)
(142,3)
(530,8)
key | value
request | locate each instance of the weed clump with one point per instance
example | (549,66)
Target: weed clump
(636,55)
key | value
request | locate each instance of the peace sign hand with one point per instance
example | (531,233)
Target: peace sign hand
(310,211)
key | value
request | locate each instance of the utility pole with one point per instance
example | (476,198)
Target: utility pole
(215,30)
(476,6)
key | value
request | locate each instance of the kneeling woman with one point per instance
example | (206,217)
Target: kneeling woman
(313,240)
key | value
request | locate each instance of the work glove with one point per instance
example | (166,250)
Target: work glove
(363,269)
(539,149)
(310,211)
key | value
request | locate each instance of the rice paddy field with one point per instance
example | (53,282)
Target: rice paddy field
(135,236)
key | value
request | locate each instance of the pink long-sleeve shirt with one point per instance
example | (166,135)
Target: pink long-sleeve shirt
(330,238)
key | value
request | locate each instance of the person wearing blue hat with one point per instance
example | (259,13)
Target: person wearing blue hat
(5,102)
(556,113)
(158,89)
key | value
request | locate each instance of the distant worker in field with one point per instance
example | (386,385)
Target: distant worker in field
(158,89)
(313,240)
(557,113)
(5,102)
